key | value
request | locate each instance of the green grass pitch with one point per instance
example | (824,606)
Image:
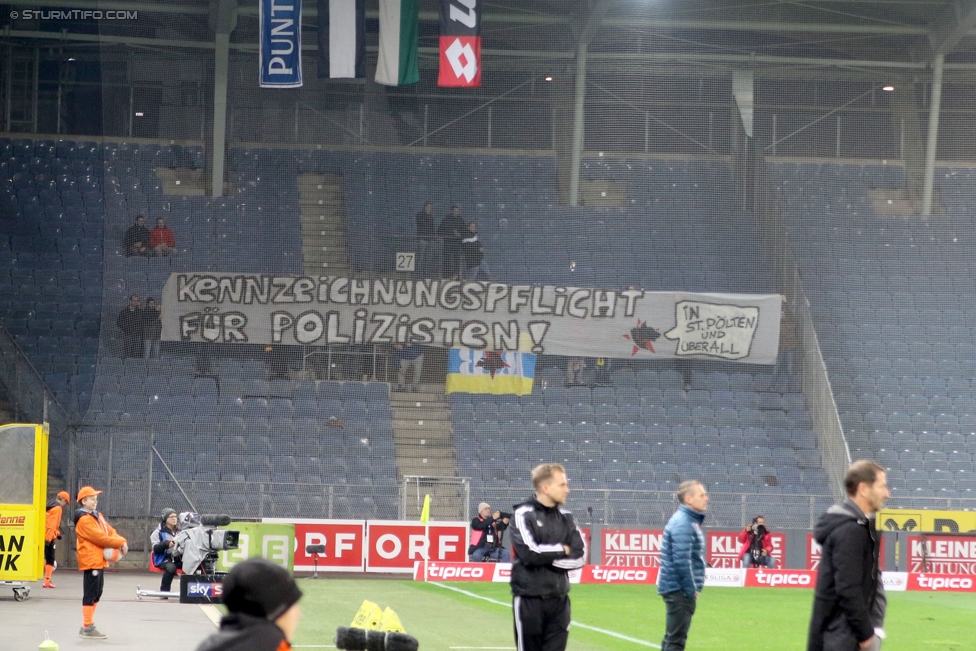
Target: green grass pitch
(754,619)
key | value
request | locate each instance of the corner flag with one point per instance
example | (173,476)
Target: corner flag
(425,514)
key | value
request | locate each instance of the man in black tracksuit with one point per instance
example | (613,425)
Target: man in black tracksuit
(546,544)
(849,604)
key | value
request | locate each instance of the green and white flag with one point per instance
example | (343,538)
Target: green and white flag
(397,64)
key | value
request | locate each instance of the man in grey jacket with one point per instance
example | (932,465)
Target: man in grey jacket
(849,603)
(682,573)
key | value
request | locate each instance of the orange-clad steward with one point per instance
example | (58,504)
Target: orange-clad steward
(97,544)
(52,533)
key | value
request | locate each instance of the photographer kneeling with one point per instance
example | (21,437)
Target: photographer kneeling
(163,539)
(487,532)
(756,545)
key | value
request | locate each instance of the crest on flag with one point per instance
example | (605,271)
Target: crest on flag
(489,371)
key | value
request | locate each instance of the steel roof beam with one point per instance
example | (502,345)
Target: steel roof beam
(953,25)
(489,17)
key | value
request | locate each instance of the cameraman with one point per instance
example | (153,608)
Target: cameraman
(756,545)
(163,539)
(487,531)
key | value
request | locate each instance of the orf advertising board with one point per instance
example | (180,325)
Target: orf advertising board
(394,546)
(723,548)
(631,547)
(343,541)
(942,555)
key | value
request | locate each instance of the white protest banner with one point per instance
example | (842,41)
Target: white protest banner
(317,311)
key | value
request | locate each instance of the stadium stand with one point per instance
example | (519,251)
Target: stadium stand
(250,445)
(892,305)
(51,234)
(646,434)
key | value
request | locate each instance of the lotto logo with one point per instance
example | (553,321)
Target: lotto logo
(784,578)
(943,583)
(438,572)
(608,576)
(463,60)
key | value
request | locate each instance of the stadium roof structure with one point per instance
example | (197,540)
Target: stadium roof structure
(877,42)
(707,34)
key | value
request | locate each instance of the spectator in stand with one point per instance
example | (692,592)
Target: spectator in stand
(161,239)
(426,236)
(152,329)
(473,252)
(574,371)
(451,231)
(756,545)
(408,356)
(131,322)
(603,372)
(487,533)
(136,240)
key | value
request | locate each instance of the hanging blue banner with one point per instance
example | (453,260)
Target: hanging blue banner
(281,43)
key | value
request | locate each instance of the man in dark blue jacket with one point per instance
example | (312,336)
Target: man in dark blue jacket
(682,573)
(547,544)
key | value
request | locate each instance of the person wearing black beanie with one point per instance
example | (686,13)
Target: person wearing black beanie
(262,600)
(163,541)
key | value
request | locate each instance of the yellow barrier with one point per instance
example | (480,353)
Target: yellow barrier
(23,496)
(922,521)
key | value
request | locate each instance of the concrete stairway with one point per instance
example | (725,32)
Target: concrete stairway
(323,241)
(422,436)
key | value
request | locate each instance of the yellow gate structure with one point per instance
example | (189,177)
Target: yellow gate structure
(23,494)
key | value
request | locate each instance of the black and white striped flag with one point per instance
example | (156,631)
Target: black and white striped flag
(342,39)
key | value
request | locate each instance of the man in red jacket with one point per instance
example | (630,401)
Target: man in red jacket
(161,239)
(756,545)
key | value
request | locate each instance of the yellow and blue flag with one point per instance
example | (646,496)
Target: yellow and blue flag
(489,371)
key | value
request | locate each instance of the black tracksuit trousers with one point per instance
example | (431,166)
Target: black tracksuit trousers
(541,623)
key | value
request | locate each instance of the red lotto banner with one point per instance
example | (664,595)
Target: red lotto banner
(942,555)
(394,546)
(460,44)
(723,548)
(631,547)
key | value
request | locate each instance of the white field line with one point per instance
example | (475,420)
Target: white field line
(619,636)
(212,613)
